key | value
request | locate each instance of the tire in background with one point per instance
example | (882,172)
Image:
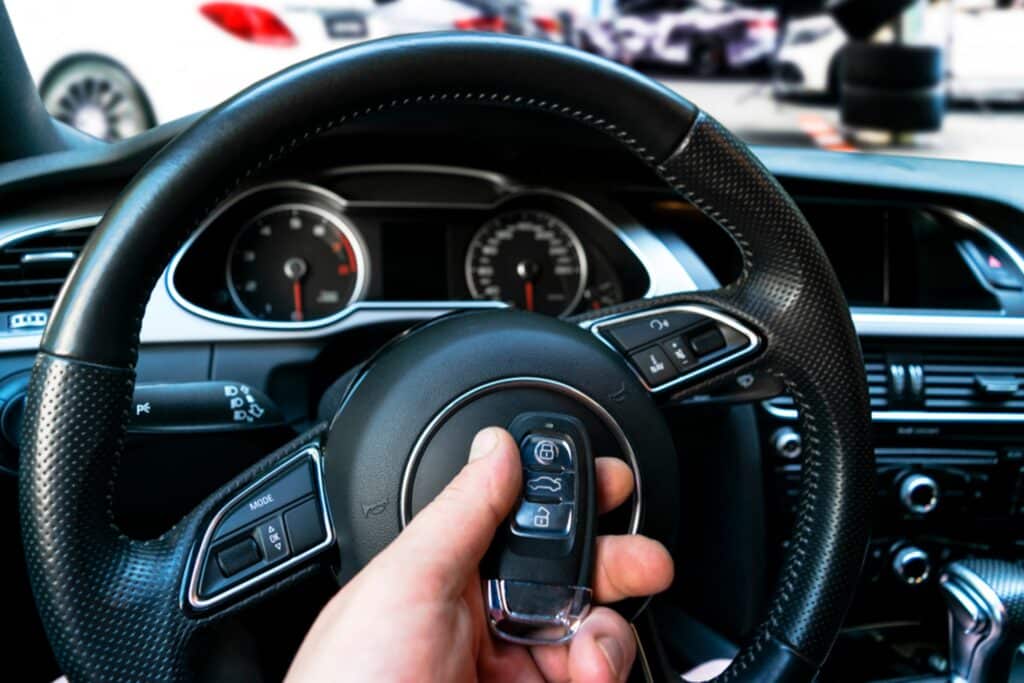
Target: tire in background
(860,19)
(97,96)
(892,87)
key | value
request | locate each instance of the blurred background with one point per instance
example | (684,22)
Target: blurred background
(922,77)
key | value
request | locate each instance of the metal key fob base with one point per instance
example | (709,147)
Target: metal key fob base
(538,570)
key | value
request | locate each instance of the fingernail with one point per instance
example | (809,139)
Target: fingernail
(613,653)
(483,443)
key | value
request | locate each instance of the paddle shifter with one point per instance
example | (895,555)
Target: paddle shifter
(986,618)
(538,570)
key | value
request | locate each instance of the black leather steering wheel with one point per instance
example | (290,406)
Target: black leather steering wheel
(116,608)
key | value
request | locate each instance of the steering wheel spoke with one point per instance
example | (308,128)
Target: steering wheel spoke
(271,527)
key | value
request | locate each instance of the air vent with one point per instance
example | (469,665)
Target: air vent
(874,363)
(973,382)
(33,267)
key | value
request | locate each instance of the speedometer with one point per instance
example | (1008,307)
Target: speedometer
(295,263)
(531,259)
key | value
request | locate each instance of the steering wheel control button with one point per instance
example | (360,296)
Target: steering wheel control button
(644,330)
(548,488)
(671,346)
(539,566)
(238,557)
(304,525)
(290,487)
(272,539)
(707,342)
(278,521)
(679,354)
(654,365)
(544,518)
(546,453)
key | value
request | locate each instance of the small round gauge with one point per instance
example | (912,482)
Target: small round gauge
(531,259)
(295,263)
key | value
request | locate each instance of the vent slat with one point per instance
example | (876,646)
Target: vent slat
(28,284)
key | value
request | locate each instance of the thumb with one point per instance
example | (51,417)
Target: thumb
(449,537)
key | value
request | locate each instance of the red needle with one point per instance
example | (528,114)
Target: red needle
(297,295)
(528,291)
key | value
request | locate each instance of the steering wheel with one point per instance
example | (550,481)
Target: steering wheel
(117,608)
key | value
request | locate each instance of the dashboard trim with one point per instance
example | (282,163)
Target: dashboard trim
(791,414)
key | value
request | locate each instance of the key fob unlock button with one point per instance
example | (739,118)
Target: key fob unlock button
(544,518)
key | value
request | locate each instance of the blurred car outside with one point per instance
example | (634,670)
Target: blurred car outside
(112,83)
(978,37)
(707,37)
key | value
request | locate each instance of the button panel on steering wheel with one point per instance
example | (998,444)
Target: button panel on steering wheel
(672,346)
(539,567)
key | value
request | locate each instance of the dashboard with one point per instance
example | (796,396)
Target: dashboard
(301,253)
(302,274)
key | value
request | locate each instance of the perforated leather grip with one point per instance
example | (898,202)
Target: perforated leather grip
(108,605)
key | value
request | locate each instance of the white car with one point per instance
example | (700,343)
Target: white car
(979,36)
(113,83)
(708,36)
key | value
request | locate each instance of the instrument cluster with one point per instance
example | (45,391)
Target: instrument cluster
(297,254)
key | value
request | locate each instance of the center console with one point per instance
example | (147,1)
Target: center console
(948,423)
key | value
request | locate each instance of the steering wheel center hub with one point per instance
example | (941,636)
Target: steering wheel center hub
(407,423)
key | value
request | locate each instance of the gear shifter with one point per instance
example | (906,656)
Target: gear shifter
(986,618)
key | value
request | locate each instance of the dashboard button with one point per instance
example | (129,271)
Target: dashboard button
(654,365)
(633,334)
(679,354)
(238,556)
(707,342)
(272,539)
(290,487)
(305,527)
(546,453)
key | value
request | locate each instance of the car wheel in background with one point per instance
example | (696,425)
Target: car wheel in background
(892,87)
(98,97)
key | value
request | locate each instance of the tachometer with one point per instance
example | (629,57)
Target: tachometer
(295,263)
(530,259)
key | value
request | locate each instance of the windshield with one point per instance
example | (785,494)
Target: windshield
(935,78)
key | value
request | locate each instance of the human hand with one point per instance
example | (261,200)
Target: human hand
(416,611)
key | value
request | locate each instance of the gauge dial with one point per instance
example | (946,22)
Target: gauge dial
(531,259)
(295,263)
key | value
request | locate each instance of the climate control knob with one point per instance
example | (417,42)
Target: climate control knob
(919,494)
(911,565)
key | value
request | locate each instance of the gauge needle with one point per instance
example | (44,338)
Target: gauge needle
(295,269)
(297,295)
(528,292)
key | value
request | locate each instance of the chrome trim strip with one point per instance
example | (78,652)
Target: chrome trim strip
(754,341)
(871,322)
(911,415)
(405,496)
(17,235)
(193,577)
(48,257)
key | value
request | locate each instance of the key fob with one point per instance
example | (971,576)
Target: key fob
(537,572)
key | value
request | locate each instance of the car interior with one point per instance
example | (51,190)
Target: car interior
(295,309)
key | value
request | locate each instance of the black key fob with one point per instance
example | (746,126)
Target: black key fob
(537,573)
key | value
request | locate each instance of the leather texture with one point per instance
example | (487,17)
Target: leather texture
(93,586)
(111,605)
(789,293)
